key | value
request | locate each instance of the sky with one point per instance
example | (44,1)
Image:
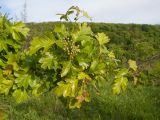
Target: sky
(109,11)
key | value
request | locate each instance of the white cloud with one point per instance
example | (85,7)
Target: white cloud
(117,11)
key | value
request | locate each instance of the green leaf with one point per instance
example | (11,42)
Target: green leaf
(23,80)
(67,89)
(120,85)
(132,65)
(66,68)
(65,17)
(38,43)
(111,55)
(3,45)
(102,38)
(1,63)
(48,61)
(16,35)
(87,49)
(84,29)
(100,80)
(18,29)
(5,86)
(20,95)
(33,83)
(36,90)
(85,39)
(83,65)
(83,75)
(93,65)
(103,49)
(12,60)
(120,82)
(70,12)
(100,68)
(59,89)
(122,72)
(59,43)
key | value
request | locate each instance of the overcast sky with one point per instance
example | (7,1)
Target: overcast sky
(110,11)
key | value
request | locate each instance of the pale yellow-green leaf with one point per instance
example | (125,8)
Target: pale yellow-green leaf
(23,80)
(133,65)
(84,29)
(102,38)
(47,61)
(12,60)
(3,45)
(83,65)
(36,90)
(1,63)
(111,55)
(38,43)
(20,95)
(122,72)
(66,89)
(83,75)
(135,80)
(5,86)
(119,85)
(18,29)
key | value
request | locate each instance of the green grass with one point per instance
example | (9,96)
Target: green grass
(140,103)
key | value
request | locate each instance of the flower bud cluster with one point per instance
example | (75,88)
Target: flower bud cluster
(70,47)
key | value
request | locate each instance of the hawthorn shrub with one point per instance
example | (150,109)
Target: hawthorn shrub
(68,61)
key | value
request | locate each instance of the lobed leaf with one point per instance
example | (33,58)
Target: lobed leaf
(133,65)
(120,85)
(102,38)
(20,96)
(38,43)
(48,61)
(67,89)
(18,29)
(5,86)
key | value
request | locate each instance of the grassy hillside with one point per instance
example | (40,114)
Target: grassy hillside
(140,103)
